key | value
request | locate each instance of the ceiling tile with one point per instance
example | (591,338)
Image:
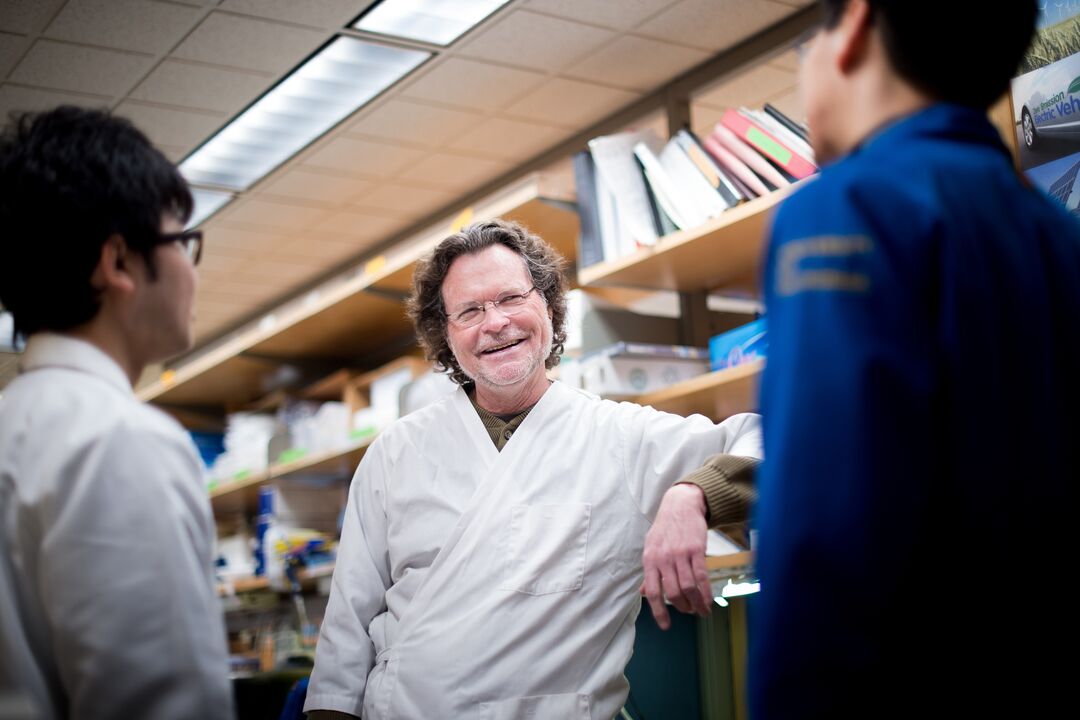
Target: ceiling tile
(11,49)
(247,289)
(329,14)
(175,153)
(536,41)
(786,61)
(713,25)
(230,240)
(137,25)
(329,190)
(19,99)
(509,139)
(272,271)
(69,67)
(176,128)
(790,103)
(406,200)
(570,103)
(454,172)
(357,224)
(249,43)
(751,88)
(361,157)
(328,250)
(471,84)
(703,118)
(400,119)
(277,216)
(175,82)
(304,262)
(637,63)
(27,16)
(217,260)
(620,15)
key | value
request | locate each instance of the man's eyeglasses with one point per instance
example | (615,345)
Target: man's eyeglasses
(190,240)
(474,314)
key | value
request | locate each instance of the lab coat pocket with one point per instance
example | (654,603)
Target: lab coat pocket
(568,706)
(545,547)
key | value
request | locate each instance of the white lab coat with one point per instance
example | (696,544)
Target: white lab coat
(107,603)
(473,583)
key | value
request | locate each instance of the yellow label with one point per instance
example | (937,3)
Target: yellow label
(463,219)
(168,377)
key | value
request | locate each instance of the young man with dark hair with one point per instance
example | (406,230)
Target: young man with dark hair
(107,604)
(920,401)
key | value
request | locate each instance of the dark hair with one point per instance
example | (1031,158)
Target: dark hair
(425,305)
(69,179)
(942,51)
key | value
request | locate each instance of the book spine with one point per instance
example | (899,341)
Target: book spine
(767,144)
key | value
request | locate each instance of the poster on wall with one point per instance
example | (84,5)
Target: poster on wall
(1046,103)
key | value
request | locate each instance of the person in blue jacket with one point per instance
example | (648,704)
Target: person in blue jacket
(921,402)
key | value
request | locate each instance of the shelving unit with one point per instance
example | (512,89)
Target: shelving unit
(243,495)
(723,253)
(253,584)
(716,395)
(733,561)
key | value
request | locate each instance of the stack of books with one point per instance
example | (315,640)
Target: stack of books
(633,188)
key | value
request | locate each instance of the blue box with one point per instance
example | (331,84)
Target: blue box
(741,345)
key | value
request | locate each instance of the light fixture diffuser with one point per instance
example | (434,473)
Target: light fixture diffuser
(207,202)
(439,22)
(322,92)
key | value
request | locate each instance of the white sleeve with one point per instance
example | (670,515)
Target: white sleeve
(126,580)
(660,448)
(345,654)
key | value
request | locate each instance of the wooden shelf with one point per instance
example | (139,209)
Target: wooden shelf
(243,495)
(358,312)
(723,253)
(716,395)
(730,562)
(252,584)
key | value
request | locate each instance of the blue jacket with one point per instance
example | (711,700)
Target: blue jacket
(921,406)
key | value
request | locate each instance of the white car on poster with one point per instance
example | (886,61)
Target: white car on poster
(1051,101)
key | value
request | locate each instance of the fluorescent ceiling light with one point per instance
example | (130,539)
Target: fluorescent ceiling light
(439,22)
(207,202)
(322,92)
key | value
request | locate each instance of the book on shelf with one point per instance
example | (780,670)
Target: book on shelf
(617,168)
(699,192)
(754,185)
(769,174)
(661,219)
(729,192)
(768,145)
(590,241)
(793,141)
(674,200)
(787,122)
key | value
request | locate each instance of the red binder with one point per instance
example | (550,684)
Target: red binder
(766,143)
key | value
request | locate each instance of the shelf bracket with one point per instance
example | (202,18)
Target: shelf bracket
(694,318)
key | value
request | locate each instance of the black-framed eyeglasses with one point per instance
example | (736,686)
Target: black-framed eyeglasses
(191,241)
(474,314)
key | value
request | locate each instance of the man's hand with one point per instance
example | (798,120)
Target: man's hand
(674,556)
